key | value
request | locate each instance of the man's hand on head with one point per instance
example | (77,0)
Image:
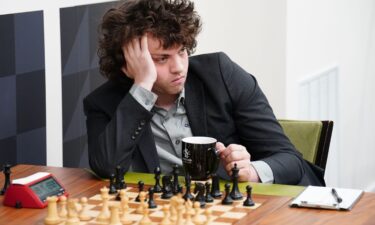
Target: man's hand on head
(139,64)
(238,154)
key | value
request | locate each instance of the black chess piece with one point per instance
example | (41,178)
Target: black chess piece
(188,194)
(120,182)
(227,199)
(151,202)
(166,187)
(200,189)
(248,201)
(112,185)
(140,189)
(7,172)
(157,187)
(235,194)
(208,197)
(176,185)
(215,187)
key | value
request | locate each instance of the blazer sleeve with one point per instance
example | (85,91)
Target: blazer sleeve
(257,127)
(113,136)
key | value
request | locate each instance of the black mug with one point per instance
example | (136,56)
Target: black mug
(199,157)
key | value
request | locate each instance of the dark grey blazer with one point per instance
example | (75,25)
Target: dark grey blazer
(222,101)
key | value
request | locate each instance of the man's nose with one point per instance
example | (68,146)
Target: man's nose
(177,65)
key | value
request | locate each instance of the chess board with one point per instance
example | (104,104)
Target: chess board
(221,214)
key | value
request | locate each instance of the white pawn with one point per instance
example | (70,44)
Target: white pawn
(115,217)
(197,209)
(104,213)
(72,214)
(83,214)
(63,211)
(173,209)
(52,215)
(208,214)
(125,207)
(165,220)
(142,197)
(145,219)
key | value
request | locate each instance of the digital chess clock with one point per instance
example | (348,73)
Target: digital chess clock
(32,191)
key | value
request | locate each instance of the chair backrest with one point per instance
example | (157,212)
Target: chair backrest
(311,138)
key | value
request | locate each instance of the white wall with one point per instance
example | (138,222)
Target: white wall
(253,34)
(321,33)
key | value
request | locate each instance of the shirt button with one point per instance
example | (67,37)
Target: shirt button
(177,142)
(143,122)
(136,132)
(133,137)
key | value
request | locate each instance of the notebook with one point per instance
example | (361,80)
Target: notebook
(327,198)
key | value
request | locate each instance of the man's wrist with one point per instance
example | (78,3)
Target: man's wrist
(146,84)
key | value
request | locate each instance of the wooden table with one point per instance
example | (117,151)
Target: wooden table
(274,210)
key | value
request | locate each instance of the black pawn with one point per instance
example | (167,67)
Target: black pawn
(248,201)
(120,182)
(235,194)
(157,187)
(112,185)
(166,188)
(188,194)
(208,197)
(151,202)
(175,180)
(140,189)
(227,199)
(6,171)
(200,188)
(215,187)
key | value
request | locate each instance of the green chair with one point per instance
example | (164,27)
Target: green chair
(311,138)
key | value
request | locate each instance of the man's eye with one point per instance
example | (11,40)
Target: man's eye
(160,60)
(182,51)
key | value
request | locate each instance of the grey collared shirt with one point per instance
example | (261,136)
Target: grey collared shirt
(171,126)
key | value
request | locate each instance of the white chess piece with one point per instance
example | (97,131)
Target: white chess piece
(83,214)
(104,213)
(63,211)
(52,215)
(72,214)
(165,220)
(115,217)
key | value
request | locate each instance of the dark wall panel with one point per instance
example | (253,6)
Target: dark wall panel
(80,75)
(22,89)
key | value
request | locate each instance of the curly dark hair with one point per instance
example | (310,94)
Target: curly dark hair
(174,22)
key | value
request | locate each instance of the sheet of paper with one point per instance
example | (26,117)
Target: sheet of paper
(323,197)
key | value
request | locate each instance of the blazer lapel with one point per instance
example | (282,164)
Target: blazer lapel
(195,106)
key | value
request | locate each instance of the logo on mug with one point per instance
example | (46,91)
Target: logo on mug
(186,157)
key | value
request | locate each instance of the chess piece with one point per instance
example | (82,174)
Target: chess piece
(175,188)
(83,214)
(197,209)
(208,197)
(166,188)
(189,212)
(104,214)
(72,214)
(63,211)
(227,199)
(151,202)
(115,217)
(125,208)
(120,182)
(112,185)
(188,194)
(142,197)
(165,220)
(157,187)
(248,201)
(235,194)
(208,214)
(200,189)
(52,215)
(145,219)
(215,187)
(140,189)
(173,209)
(7,172)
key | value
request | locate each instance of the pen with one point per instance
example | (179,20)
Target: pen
(336,196)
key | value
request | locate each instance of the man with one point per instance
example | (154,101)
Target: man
(156,95)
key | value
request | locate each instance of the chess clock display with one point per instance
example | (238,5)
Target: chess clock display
(32,191)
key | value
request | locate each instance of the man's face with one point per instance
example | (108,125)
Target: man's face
(171,67)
